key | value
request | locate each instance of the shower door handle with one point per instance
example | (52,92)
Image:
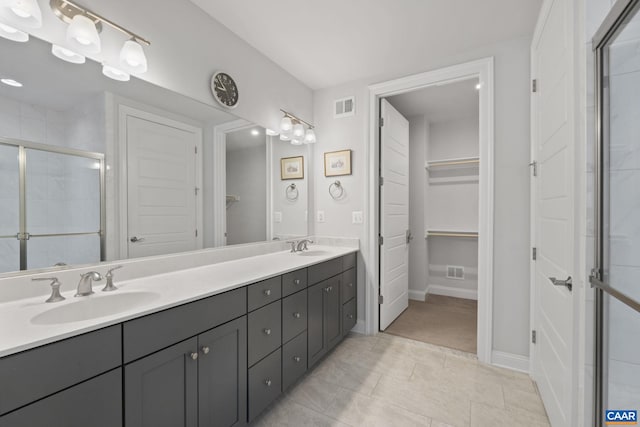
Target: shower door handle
(136,239)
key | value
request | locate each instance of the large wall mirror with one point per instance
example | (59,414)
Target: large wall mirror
(93,170)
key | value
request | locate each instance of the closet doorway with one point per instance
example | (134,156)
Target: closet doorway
(435,251)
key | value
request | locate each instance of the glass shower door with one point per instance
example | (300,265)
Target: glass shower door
(9,209)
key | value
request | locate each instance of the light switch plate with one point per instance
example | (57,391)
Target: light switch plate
(277,217)
(357,217)
(320,217)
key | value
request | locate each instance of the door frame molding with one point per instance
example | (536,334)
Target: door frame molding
(484,70)
(122,178)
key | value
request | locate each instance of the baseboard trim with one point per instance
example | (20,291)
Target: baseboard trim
(510,361)
(359,328)
(417,295)
(452,292)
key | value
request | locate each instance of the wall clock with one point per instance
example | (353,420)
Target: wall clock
(224,90)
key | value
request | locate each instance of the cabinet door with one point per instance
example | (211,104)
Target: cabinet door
(315,328)
(222,376)
(332,312)
(160,389)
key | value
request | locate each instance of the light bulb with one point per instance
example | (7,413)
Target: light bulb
(82,35)
(67,55)
(298,130)
(115,74)
(310,137)
(21,13)
(13,34)
(285,124)
(132,57)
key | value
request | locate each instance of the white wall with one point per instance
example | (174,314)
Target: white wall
(511,225)
(454,138)
(418,141)
(187,47)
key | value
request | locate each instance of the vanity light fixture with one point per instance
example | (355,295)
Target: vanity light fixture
(11,82)
(132,57)
(21,13)
(67,55)
(292,128)
(10,33)
(82,35)
(115,74)
(270,132)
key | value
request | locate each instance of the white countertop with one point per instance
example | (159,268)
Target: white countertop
(19,331)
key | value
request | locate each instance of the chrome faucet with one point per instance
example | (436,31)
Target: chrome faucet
(85,286)
(302,245)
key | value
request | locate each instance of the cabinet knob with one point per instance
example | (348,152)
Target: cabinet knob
(296,282)
(296,315)
(297,359)
(267,292)
(350,316)
(267,383)
(205,350)
(194,356)
(328,289)
(267,331)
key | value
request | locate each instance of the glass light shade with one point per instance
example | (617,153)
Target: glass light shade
(285,137)
(10,33)
(82,35)
(132,57)
(67,55)
(298,130)
(115,74)
(285,124)
(270,132)
(296,141)
(21,13)
(310,137)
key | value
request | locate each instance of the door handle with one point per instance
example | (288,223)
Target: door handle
(136,239)
(568,283)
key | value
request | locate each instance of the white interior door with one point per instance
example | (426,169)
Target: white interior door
(553,140)
(162,194)
(394,214)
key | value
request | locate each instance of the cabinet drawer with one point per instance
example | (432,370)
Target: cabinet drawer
(349,261)
(264,331)
(348,285)
(349,316)
(34,374)
(294,360)
(319,272)
(96,403)
(294,282)
(263,293)
(265,383)
(160,330)
(294,315)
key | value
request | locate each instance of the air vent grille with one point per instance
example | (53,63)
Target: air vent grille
(345,107)
(455,272)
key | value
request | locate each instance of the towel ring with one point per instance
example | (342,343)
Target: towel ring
(291,193)
(335,194)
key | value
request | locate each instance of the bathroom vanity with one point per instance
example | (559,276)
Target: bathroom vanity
(194,355)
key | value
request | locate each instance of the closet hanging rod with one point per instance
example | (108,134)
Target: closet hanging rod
(450,234)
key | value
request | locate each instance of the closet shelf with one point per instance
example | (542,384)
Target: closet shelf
(465,179)
(451,233)
(461,162)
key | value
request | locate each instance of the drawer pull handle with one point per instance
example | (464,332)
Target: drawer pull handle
(297,359)
(194,356)
(267,331)
(205,350)
(328,289)
(350,316)
(296,315)
(267,383)
(267,292)
(296,282)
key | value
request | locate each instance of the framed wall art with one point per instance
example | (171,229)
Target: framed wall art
(292,168)
(337,163)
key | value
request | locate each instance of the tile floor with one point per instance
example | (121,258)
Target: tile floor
(393,381)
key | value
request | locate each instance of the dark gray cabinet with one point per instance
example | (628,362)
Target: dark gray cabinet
(197,382)
(325,315)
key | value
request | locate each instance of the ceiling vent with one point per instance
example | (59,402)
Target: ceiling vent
(344,107)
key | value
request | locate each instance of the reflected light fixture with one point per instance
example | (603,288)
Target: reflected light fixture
(270,132)
(132,57)
(479,86)
(10,33)
(115,74)
(82,35)
(67,55)
(21,13)
(255,132)
(292,128)
(11,82)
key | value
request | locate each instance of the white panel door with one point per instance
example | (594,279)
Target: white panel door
(394,214)
(161,168)
(553,147)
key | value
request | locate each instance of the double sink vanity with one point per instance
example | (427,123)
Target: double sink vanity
(213,345)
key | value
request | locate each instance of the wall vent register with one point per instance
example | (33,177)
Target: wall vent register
(455,272)
(345,107)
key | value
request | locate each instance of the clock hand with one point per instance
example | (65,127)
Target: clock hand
(224,88)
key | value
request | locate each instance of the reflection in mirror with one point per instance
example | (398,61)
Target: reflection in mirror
(92,169)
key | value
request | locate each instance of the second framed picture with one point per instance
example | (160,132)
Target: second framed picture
(337,163)
(292,168)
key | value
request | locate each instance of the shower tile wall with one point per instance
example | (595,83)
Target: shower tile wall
(54,180)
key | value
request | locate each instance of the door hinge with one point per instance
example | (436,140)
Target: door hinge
(380,240)
(534,85)
(534,168)
(380,299)
(196,232)
(534,253)
(533,337)
(381,181)
(197,189)
(196,148)
(381,121)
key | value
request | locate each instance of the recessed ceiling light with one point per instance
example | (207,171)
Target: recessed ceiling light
(255,132)
(479,86)
(11,82)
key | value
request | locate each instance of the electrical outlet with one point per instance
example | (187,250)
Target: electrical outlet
(277,217)
(356,217)
(320,216)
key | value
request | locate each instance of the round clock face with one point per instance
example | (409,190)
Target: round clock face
(224,89)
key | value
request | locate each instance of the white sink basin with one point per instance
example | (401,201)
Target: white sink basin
(314,253)
(92,307)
